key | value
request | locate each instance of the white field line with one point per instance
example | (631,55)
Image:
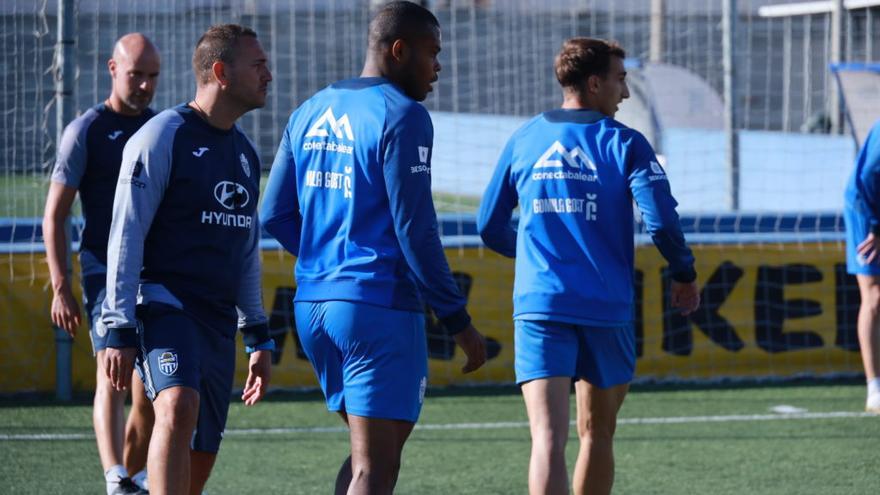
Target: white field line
(480,426)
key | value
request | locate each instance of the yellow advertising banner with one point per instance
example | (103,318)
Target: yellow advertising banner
(767,310)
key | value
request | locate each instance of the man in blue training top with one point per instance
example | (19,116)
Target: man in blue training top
(350,195)
(183,266)
(89,157)
(575,172)
(862,218)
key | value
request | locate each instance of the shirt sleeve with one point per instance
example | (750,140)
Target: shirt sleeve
(252,319)
(868,179)
(280,208)
(496,207)
(70,164)
(143,179)
(407,162)
(650,189)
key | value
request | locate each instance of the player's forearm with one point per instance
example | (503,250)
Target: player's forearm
(286,231)
(496,208)
(249,302)
(493,224)
(424,255)
(499,238)
(673,248)
(55,241)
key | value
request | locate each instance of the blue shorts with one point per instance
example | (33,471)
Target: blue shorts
(603,356)
(371,361)
(857,228)
(94,289)
(177,351)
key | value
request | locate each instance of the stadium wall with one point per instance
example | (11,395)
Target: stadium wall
(774,305)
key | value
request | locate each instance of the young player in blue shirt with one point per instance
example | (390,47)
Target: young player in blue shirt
(89,157)
(183,260)
(350,195)
(575,172)
(862,218)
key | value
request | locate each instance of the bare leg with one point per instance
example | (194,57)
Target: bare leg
(596,421)
(343,477)
(376,447)
(202,463)
(108,417)
(138,428)
(547,405)
(869,289)
(168,462)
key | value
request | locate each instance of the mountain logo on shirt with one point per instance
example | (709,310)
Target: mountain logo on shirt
(245,164)
(340,127)
(231,195)
(656,168)
(199,152)
(115,134)
(557,156)
(423,153)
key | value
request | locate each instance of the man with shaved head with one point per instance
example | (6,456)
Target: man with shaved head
(88,162)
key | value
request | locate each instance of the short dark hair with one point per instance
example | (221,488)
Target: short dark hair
(581,58)
(400,20)
(217,44)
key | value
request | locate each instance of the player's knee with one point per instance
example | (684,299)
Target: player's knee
(871,299)
(141,409)
(551,441)
(597,429)
(177,407)
(378,476)
(106,392)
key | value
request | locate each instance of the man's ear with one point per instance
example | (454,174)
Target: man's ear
(399,50)
(593,83)
(111,66)
(218,69)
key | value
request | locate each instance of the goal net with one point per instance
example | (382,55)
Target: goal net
(777,300)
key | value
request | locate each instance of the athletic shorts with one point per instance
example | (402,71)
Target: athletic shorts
(604,356)
(94,289)
(177,351)
(857,228)
(371,361)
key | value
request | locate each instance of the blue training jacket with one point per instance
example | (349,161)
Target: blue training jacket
(575,174)
(863,188)
(349,194)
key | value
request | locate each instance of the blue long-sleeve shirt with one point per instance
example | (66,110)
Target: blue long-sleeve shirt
(349,194)
(575,174)
(863,188)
